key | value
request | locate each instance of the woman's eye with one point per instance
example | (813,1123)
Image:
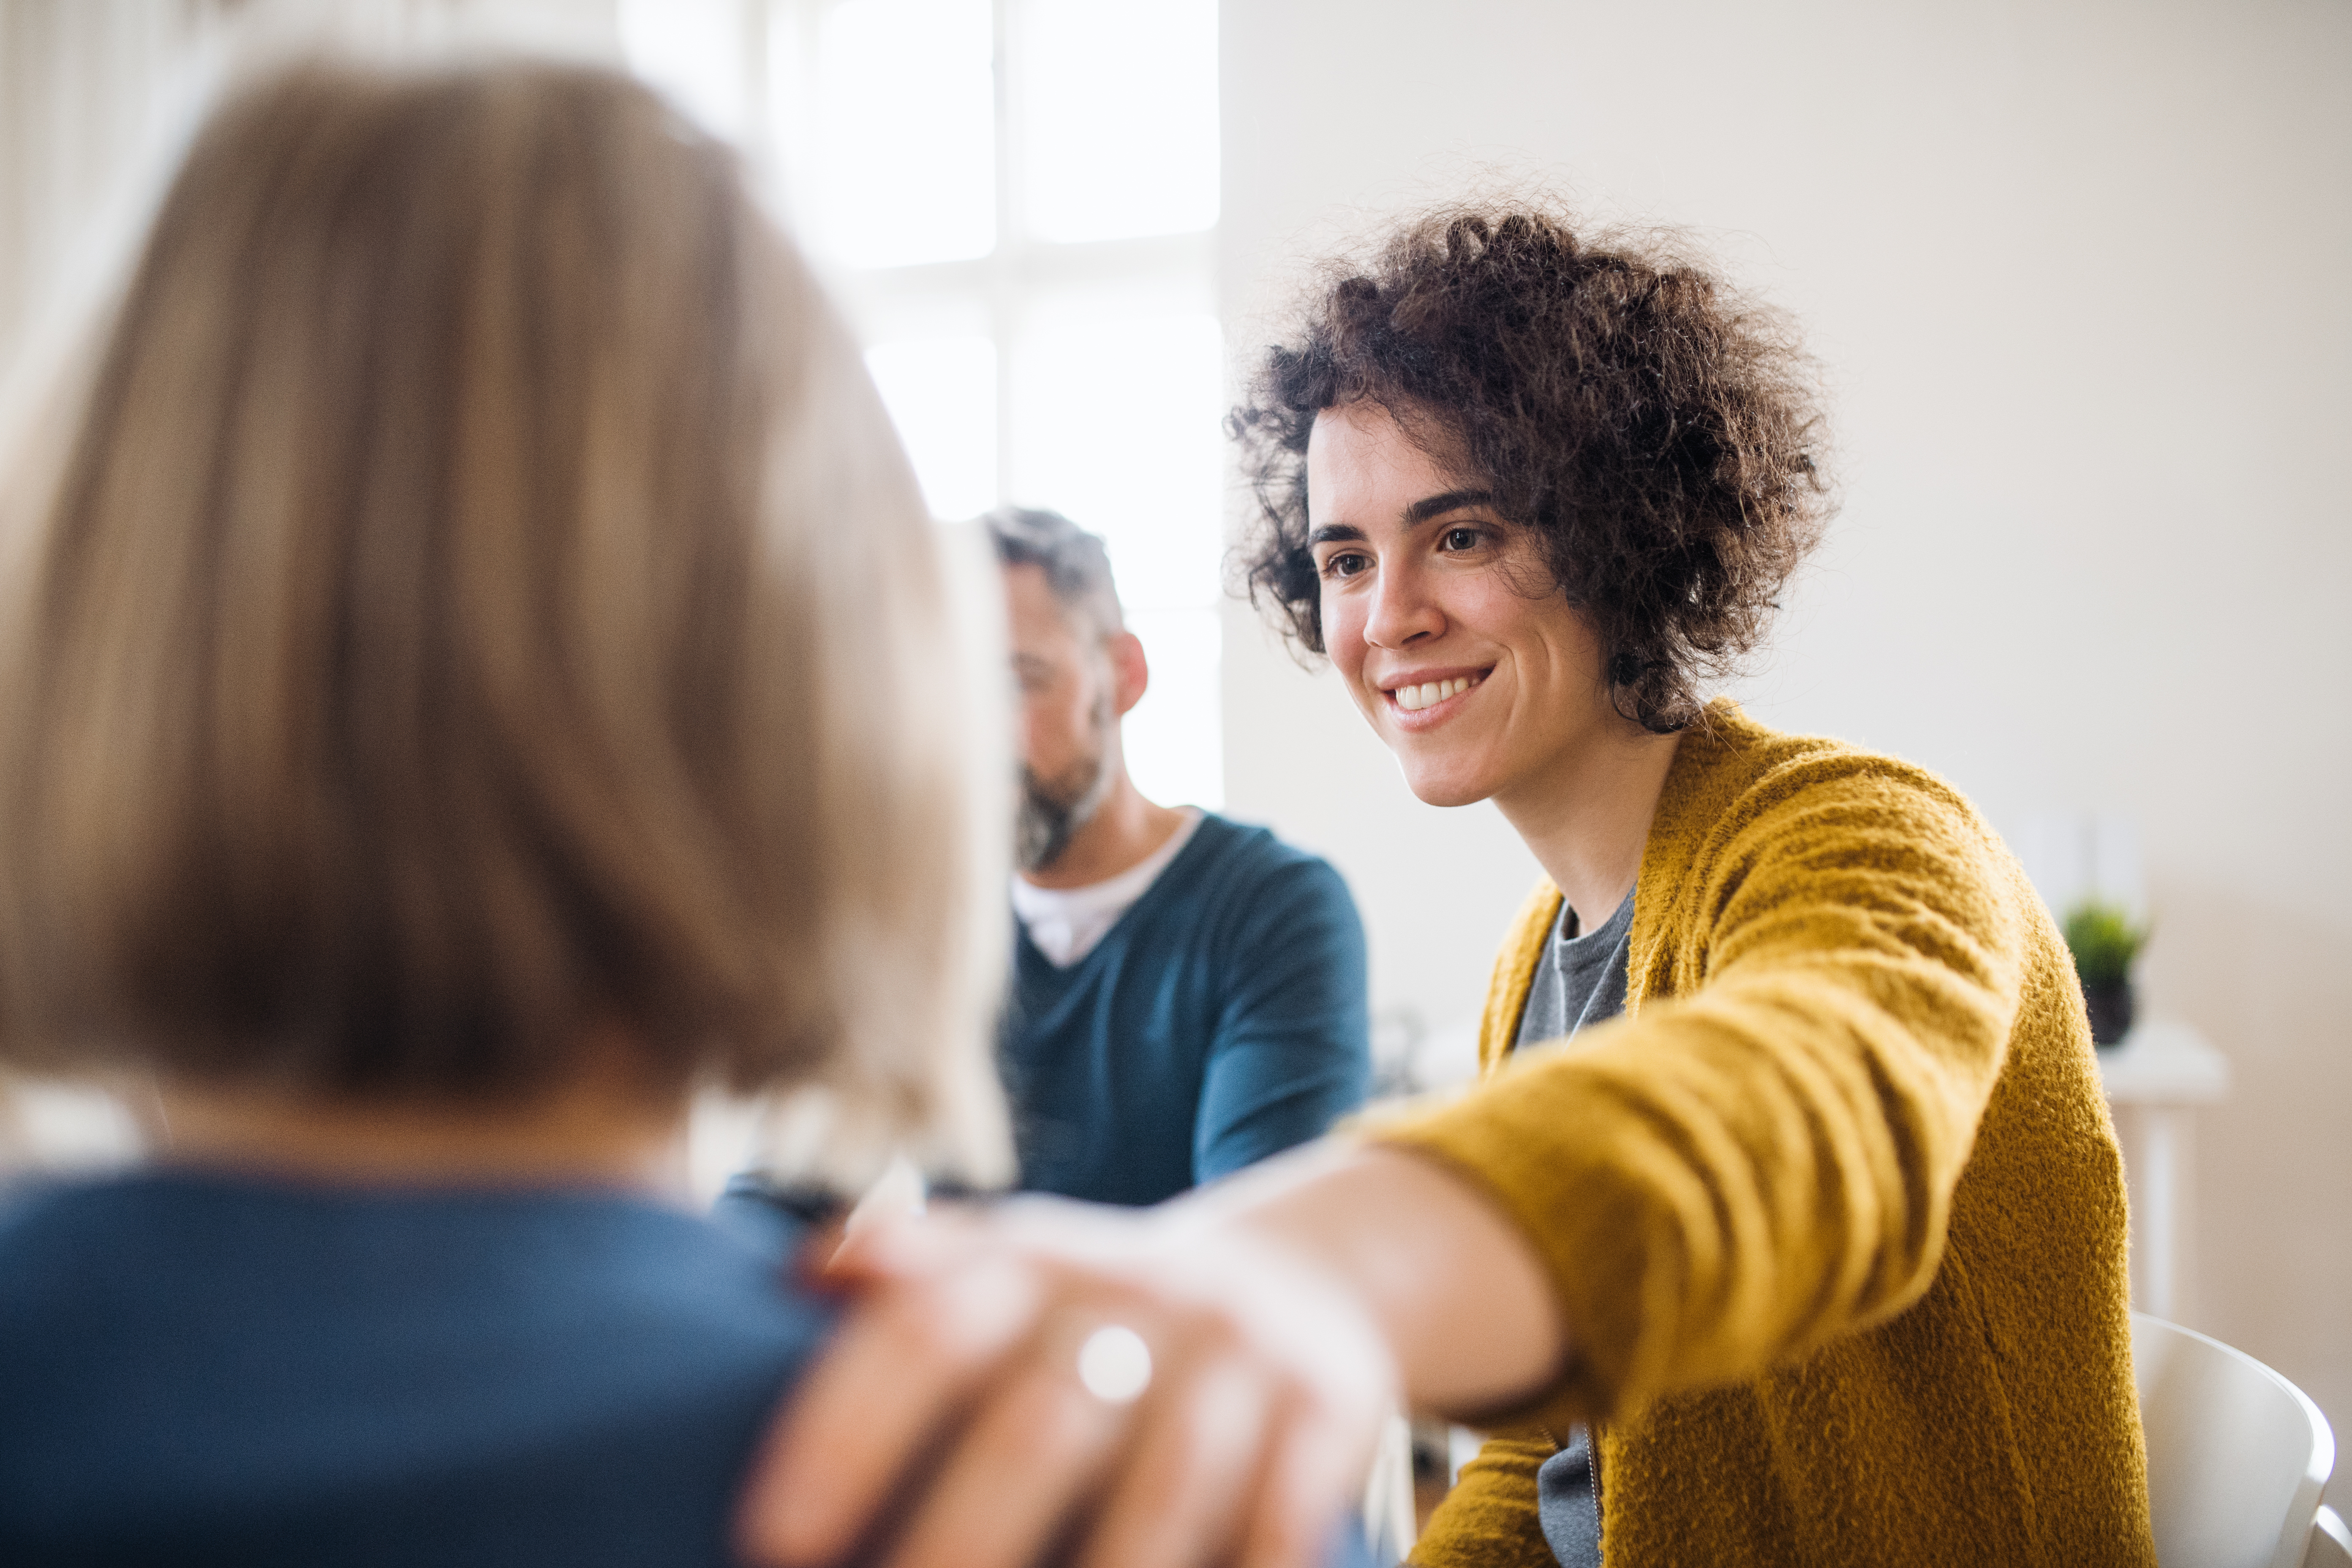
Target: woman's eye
(1345,564)
(1461,539)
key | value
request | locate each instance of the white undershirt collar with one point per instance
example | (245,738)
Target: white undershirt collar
(1067,923)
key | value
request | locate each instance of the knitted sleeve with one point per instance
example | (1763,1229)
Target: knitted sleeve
(1764,1156)
(1489,1519)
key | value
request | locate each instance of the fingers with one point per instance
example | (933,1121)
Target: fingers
(951,1395)
(1313,1463)
(1189,1472)
(1042,1443)
(896,1370)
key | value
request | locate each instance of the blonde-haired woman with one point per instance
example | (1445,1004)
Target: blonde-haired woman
(473,678)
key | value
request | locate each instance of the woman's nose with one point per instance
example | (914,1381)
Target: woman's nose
(1402,612)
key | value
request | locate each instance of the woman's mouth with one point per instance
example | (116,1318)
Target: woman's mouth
(1417,697)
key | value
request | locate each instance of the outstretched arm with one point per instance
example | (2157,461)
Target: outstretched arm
(1713,1186)
(1726,1180)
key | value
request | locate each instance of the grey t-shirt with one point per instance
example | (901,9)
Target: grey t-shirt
(1578,980)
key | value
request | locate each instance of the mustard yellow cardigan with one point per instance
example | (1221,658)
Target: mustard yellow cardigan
(1835,1214)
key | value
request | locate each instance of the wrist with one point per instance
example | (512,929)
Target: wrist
(1454,1288)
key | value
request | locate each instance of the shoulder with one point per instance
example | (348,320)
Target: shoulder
(1735,780)
(1248,879)
(214,1254)
(56,1235)
(1771,834)
(589,1361)
(1246,855)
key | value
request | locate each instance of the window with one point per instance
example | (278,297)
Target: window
(1017,200)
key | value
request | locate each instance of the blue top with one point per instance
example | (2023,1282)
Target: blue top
(1220,1020)
(208,1370)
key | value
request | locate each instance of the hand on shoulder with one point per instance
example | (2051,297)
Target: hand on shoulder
(952,1413)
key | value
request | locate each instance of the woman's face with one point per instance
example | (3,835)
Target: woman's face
(1483,686)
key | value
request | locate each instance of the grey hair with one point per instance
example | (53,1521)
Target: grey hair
(1077,564)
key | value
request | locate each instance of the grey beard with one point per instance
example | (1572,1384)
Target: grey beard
(1052,811)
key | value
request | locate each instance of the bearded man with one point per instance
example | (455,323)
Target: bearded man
(1187,994)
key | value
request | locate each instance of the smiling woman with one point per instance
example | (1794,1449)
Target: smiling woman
(1528,492)
(1425,607)
(1651,429)
(1786,1222)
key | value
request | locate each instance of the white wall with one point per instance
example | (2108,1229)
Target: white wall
(77,86)
(2082,279)
(94,93)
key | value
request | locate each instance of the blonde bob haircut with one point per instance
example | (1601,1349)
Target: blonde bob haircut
(476,601)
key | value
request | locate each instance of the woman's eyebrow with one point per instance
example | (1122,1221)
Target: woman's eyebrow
(1422,510)
(1331,531)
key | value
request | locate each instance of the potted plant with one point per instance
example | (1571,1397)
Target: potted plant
(2104,939)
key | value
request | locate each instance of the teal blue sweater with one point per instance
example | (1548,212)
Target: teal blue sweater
(1220,1021)
(204,1370)
(216,1370)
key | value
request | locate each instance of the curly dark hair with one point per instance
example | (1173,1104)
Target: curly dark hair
(1657,432)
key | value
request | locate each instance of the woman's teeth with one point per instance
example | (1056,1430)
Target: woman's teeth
(1413,699)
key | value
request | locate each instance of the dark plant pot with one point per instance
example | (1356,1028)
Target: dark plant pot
(2111,1011)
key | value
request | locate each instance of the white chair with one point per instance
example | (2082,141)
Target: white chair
(2331,1544)
(2236,1454)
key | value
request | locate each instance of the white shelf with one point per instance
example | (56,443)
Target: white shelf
(2158,1075)
(2161,1062)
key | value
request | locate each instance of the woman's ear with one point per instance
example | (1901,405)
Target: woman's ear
(1130,672)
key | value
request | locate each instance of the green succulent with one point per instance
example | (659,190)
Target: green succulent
(2104,940)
